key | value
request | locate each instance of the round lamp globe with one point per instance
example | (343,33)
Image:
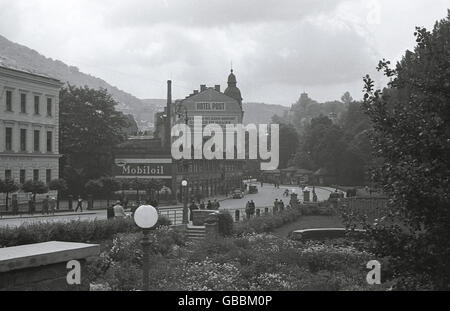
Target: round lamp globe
(146,217)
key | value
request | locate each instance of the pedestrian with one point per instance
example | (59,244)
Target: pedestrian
(52,205)
(110,211)
(45,205)
(252,208)
(209,205)
(119,212)
(247,210)
(216,205)
(281,205)
(79,204)
(275,206)
(192,208)
(202,205)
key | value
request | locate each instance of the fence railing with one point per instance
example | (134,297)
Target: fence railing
(373,208)
(175,215)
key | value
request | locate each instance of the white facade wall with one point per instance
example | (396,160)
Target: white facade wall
(19,82)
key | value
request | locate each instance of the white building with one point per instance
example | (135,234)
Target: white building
(29,126)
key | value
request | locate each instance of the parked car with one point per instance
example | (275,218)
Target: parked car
(238,194)
(253,189)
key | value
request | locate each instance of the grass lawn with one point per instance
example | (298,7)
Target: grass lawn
(310,222)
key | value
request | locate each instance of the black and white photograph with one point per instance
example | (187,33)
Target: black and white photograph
(243,149)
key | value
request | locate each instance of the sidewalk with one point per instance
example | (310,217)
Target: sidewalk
(180,205)
(56,214)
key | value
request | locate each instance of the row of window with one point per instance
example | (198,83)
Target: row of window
(22,175)
(23,140)
(23,104)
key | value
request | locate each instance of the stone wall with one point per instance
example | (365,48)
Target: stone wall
(43,266)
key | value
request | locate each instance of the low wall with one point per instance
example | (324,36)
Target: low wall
(43,266)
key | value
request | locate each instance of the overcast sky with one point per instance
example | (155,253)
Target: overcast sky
(279,48)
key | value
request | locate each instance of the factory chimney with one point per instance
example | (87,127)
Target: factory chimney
(169,115)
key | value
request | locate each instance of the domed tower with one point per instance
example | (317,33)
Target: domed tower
(232,90)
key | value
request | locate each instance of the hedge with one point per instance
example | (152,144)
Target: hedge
(268,223)
(74,231)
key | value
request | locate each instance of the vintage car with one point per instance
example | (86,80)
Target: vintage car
(252,189)
(238,194)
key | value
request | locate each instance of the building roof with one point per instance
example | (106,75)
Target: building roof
(27,72)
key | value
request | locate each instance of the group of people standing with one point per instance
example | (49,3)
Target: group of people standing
(215,205)
(48,205)
(250,209)
(278,206)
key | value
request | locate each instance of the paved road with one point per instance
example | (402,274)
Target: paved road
(268,193)
(264,198)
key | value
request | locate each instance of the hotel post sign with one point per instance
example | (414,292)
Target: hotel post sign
(143,168)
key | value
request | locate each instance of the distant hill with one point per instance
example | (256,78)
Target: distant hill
(21,57)
(259,113)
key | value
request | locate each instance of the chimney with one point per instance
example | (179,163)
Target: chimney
(217,88)
(195,92)
(169,114)
(202,87)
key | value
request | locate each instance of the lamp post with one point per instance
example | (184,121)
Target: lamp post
(146,217)
(184,185)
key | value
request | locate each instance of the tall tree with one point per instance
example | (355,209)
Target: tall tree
(411,122)
(8,186)
(288,144)
(90,127)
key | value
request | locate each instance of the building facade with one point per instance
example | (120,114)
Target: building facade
(29,126)
(152,159)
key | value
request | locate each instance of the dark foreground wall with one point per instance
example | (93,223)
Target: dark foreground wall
(43,266)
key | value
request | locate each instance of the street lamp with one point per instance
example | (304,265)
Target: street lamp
(184,184)
(146,217)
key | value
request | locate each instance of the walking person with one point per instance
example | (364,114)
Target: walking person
(192,208)
(216,205)
(281,204)
(275,206)
(45,205)
(209,205)
(247,210)
(79,204)
(52,205)
(252,208)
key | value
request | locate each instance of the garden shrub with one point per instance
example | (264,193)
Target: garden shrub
(268,223)
(73,231)
(226,223)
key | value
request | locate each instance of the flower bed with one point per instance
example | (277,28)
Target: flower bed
(259,262)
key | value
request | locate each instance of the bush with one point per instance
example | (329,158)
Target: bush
(226,224)
(268,223)
(317,210)
(74,231)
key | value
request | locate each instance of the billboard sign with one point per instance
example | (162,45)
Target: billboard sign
(143,168)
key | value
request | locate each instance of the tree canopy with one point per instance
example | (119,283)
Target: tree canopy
(90,128)
(411,122)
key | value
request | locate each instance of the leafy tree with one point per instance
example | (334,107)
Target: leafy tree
(411,120)
(8,186)
(90,128)
(34,187)
(94,187)
(110,186)
(347,99)
(288,144)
